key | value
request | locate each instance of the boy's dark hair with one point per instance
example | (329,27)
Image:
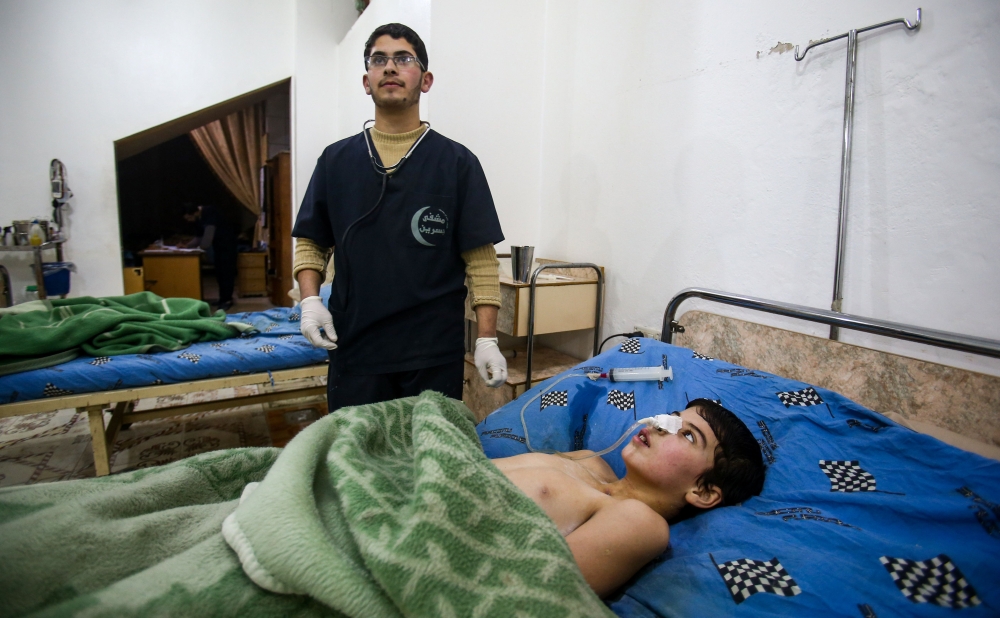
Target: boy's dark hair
(189,208)
(399,31)
(739,467)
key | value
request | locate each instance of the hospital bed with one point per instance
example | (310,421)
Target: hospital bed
(859,515)
(276,360)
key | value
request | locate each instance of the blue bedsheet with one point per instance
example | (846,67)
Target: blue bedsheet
(277,344)
(859,516)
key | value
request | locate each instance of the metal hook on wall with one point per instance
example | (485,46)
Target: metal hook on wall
(909,26)
(845,160)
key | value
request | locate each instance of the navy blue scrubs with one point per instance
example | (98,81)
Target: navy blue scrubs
(398,300)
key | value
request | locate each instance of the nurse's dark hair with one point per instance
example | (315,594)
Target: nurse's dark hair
(399,31)
(739,467)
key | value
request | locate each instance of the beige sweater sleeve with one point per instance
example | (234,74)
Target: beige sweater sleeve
(482,270)
(311,256)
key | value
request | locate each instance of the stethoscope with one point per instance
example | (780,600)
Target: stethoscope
(381,169)
(385,172)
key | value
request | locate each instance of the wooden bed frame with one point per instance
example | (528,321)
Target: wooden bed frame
(271,386)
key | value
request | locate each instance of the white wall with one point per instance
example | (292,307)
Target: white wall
(677,150)
(76,76)
(488,61)
(329,74)
(661,139)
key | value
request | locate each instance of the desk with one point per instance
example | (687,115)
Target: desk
(172,274)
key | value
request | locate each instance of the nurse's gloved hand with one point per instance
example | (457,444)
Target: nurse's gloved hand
(315,321)
(489,361)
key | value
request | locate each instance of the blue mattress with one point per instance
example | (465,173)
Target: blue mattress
(277,344)
(859,516)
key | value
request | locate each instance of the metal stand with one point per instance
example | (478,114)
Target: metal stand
(37,264)
(531,310)
(845,159)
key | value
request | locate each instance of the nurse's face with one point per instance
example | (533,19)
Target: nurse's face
(396,86)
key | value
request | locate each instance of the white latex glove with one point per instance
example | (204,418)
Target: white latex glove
(315,321)
(489,360)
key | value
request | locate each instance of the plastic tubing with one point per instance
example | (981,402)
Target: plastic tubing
(527,439)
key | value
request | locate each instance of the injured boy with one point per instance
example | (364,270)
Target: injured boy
(614,526)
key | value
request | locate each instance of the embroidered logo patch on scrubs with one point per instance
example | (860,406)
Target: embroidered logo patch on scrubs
(429,226)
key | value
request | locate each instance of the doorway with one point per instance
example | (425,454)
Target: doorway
(197,220)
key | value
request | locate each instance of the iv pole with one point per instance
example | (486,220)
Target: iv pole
(845,159)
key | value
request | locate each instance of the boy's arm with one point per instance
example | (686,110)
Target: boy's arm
(616,542)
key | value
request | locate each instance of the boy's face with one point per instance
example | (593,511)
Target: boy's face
(393,86)
(673,463)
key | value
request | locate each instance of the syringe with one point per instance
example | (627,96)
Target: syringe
(636,374)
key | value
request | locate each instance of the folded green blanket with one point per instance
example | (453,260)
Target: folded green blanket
(383,510)
(133,324)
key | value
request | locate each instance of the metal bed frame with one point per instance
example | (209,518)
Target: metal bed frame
(531,308)
(122,403)
(939,338)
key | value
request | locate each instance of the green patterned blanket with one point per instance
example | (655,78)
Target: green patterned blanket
(383,510)
(42,333)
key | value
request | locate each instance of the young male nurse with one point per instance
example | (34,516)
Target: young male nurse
(408,216)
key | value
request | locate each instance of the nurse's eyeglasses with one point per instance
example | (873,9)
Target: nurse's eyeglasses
(402,62)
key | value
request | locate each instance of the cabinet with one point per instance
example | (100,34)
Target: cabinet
(134,281)
(172,274)
(251,268)
(565,300)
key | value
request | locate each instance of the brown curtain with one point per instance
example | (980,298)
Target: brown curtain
(233,148)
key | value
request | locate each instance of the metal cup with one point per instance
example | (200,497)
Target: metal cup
(521,259)
(21,231)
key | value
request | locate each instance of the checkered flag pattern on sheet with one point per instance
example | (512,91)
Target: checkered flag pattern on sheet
(266,349)
(622,401)
(805,397)
(630,346)
(555,398)
(285,337)
(701,356)
(936,581)
(51,390)
(194,358)
(100,360)
(293,317)
(847,476)
(747,577)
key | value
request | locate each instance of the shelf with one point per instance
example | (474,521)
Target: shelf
(52,244)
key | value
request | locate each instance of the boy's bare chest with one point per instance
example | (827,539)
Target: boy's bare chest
(568,492)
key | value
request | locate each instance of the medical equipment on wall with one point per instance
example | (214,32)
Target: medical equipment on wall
(845,155)
(671,423)
(60,196)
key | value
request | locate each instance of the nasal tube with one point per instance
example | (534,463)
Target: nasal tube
(671,423)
